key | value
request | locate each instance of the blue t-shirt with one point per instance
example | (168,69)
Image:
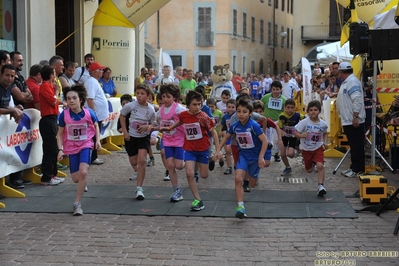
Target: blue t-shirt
(108,87)
(247,136)
(254,86)
(76,117)
(5,96)
(207,110)
(226,121)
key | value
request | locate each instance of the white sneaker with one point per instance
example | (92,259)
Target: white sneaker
(61,179)
(346,171)
(321,191)
(139,194)
(86,189)
(77,209)
(350,174)
(315,168)
(52,182)
(97,161)
(134,177)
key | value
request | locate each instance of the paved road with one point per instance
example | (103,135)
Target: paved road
(61,239)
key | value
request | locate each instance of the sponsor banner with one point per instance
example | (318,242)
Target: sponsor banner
(114,47)
(367,9)
(110,125)
(306,78)
(137,11)
(20,144)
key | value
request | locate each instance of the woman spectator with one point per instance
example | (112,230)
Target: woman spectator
(107,83)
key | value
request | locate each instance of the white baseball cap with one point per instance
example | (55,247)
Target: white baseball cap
(345,66)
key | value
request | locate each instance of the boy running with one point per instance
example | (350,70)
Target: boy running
(312,132)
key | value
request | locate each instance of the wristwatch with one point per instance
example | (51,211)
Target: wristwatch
(355,117)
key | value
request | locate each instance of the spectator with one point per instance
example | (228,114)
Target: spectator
(66,78)
(82,73)
(109,87)
(33,83)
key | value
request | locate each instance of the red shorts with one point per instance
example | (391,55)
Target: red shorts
(312,157)
(234,151)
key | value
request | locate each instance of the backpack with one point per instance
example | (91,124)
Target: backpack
(81,74)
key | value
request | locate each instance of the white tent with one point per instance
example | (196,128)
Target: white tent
(331,52)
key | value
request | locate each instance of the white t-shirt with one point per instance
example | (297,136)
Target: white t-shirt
(77,78)
(139,115)
(267,82)
(288,89)
(314,139)
(168,80)
(95,92)
(222,107)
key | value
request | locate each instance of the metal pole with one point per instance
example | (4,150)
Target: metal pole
(373,113)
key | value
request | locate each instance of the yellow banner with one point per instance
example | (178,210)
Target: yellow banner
(367,9)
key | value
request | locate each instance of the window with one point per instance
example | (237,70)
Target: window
(204,35)
(253,29)
(292,38)
(234,62)
(282,5)
(252,66)
(288,37)
(262,1)
(176,60)
(204,63)
(270,2)
(269,33)
(244,65)
(292,6)
(234,22)
(288,6)
(275,35)
(262,31)
(244,25)
(282,37)
(275,4)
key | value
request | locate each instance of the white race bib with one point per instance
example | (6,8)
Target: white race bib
(77,132)
(275,104)
(193,131)
(244,139)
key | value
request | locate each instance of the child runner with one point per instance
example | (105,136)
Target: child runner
(231,109)
(196,142)
(287,122)
(77,125)
(222,105)
(159,144)
(172,140)
(137,136)
(252,145)
(312,132)
(274,105)
(126,98)
(255,86)
(154,134)
(266,125)
(218,116)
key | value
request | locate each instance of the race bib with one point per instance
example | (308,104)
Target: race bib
(77,132)
(289,131)
(228,124)
(244,139)
(275,104)
(136,124)
(168,123)
(193,131)
(314,137)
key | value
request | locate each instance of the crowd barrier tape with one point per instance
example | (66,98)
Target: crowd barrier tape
(21,144)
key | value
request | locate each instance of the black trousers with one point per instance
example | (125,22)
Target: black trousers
(48,129)
(356,143)
(94,151)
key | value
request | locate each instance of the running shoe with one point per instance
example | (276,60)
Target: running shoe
(197,205)
(240,212)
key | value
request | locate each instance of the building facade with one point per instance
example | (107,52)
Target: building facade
(250,35)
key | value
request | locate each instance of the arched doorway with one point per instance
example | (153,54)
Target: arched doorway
(275,68)
(261,67)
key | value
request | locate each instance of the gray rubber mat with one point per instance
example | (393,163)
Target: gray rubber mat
(112,199)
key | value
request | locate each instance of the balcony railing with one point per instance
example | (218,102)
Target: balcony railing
(205,38)
(321,32)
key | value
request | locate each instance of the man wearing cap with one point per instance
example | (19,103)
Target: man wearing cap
(350,106)
(96,100)
(288,86)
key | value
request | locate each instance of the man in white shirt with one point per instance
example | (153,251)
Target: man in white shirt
(288,86)
(96,100)
(267,81)
(78,76)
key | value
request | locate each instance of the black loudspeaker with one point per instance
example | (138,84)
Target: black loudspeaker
(358,38)
(394,154)
(383,44)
